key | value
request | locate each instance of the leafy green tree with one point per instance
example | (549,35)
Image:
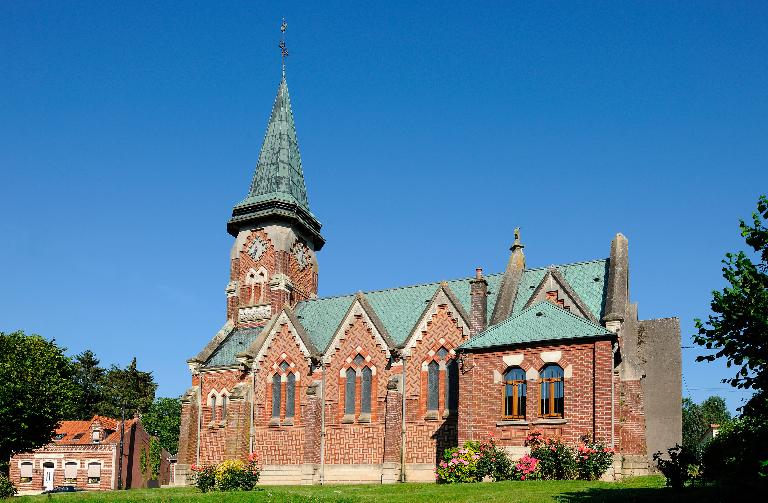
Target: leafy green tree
(738,328)
(697,419)
(88,377)
(130,387)
(163,419)
(37,391)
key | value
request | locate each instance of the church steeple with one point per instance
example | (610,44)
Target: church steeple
(278,190)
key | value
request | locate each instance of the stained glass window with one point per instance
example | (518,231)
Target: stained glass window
(441,353)
(365,391)
(349,392)
(290,395)
(433,384)
(452,384)
(276,396)
(552,391)
(284,366)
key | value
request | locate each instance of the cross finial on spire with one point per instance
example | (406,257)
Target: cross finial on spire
(281,45)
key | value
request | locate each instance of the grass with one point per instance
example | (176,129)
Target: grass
(571,491)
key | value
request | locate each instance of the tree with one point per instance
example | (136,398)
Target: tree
(37,391)
(88,377)
(163,419)
(697,419)
(738,329)
(130,387)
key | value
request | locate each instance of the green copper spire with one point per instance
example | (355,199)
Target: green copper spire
(278,173)
(278,188)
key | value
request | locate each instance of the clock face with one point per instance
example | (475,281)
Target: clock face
(301,254)
(257,248)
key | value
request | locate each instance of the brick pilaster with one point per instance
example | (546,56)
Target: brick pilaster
(393,426)
(312,425)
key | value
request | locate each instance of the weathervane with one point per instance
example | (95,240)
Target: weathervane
(281,45)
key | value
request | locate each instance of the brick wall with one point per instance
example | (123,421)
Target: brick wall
(588,372)
(214,435)
(356,442)
(104,453)
(426,438)
(631,420)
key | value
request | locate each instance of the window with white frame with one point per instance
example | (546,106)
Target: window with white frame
(70,471)
(26,471)
(94,472)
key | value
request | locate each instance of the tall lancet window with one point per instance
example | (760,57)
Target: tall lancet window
(442,384)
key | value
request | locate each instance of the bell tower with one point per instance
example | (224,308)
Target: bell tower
(273,261)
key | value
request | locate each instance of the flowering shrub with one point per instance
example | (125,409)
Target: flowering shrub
(229,475)
(526,468)
(493,462)
(458,465)
(592,459)
(556,460)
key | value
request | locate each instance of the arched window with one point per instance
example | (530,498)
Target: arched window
(552,391)
(224,406)
(213,407)
(349,392)
(452,384)
(276,397)
(442,381)
(365,391)
(514,393)
(290,395)
(433,385)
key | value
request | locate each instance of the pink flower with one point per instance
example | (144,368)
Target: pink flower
(465,462)
(522,477)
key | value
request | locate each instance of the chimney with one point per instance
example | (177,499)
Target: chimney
(478,291)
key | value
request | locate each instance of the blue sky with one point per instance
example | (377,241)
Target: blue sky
(428,131)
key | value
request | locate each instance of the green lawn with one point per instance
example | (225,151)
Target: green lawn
(632,490)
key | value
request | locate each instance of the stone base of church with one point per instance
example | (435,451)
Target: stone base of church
(627,465)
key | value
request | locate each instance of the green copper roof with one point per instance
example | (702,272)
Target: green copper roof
(542,321)
(279,174)
(237,342)
(588,280)
(399,309)
(277,189)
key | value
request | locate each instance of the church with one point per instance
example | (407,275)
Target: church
(373,386)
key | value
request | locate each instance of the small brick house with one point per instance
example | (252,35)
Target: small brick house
(373,386)
(85,454)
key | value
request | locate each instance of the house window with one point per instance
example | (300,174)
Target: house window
(96,436)
(442,379)
(26,471)
(70,471)
(514,393)
(552,391)
(358,382)
(94,472)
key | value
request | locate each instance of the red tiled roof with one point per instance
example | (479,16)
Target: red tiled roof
(79,432)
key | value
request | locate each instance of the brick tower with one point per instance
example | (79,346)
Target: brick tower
(273,259)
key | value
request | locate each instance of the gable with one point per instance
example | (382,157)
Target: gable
(359,308)
(539,322)
(555,288)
